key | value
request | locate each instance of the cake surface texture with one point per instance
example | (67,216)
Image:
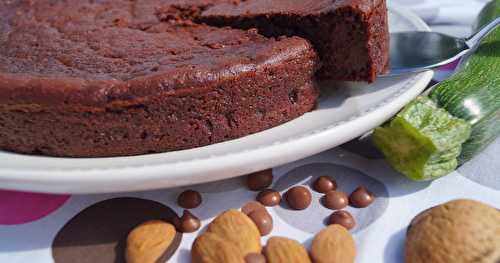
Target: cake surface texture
(85,78)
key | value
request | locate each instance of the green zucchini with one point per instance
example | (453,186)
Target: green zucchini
(432,135)
(422,141)
(488,14)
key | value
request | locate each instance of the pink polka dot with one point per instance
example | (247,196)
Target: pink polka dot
(450,66)
(21,207)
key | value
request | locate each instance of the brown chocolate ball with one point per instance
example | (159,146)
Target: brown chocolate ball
(298,197)
(252,206)
(324,184)
(342,218)
(260,180)
(189,223)
(269,197)
(255,258)
(335,200)
(361,197)
(262,220)
(189,199)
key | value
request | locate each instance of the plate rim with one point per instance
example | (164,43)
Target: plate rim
(127,178)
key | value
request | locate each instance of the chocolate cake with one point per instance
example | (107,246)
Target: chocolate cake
(84,78)
(351,36)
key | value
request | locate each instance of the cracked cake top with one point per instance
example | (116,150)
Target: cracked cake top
(95,48)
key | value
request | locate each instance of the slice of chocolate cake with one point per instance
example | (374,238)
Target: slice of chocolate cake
(86,78)
(351,36)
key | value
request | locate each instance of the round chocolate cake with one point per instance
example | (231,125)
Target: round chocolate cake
(114,78)
(87,78)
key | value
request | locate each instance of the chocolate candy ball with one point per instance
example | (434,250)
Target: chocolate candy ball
(361,197)
(252,206)
(189,223)
(324,184)
(262,220)
(298,197)
(255,258)
(335,200)
(342,218)
(269,197)
(189,199)
(260,180)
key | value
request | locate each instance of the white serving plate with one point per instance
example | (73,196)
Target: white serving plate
(344,113)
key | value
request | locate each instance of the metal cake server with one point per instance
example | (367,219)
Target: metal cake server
(412,52)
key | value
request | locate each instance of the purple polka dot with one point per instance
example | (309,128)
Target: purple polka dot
(450,66)
(20,207)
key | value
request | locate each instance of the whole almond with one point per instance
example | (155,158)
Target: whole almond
(147,242)
(281,249)
(237,228)
(211,248)
(333,244)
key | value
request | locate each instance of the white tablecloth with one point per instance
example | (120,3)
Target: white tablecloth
(448,16)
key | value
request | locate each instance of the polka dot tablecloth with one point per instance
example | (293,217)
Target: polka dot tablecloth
(55,228)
